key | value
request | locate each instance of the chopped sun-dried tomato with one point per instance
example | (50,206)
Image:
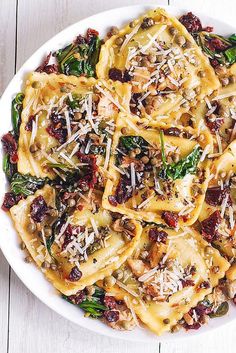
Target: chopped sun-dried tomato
(171,218)
(110,302)
(216,195)
(111,315)
(123,190)
(90,177)
(191,22)
(77,298)
(44,67)
(10,199)
(210,226)
(10,147)
(29,124)
(38,209)
(157,235)
(91,33)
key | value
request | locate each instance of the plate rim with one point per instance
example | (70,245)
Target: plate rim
(111,333)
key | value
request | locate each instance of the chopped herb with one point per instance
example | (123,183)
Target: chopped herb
(26,184)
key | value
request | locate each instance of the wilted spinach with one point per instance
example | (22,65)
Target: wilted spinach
(184,166)
(92,305)
(26,184)
(78,59)
(16,108)
(224,52)
(132,142)
(8,167)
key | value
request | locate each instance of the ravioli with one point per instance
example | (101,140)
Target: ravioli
(219,205)
(160,59)
(217,113)
(138,187)
(85,244)
(168,275)
(63,117)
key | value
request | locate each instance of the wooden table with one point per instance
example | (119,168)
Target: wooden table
(27,325)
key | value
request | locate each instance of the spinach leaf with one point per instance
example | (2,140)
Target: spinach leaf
(16,107)
(231,55)
(92,305)
(132,142)
(179,170)
(232,38)
(8,167)
(78,59)
(49,242)
(223,56)
(26,184)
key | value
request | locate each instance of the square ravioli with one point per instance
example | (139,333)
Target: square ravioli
(76,249)
(157,174)
(217,217)
(217,113)
(162,62)
(169,273)
(65,119)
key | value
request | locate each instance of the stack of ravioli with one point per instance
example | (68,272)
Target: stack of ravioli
(132,213)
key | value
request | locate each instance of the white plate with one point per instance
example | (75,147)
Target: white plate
(9,242)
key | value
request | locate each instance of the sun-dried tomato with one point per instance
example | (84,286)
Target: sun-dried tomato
(49,69)
(194,326)
(202,309)
(10,199)
(112,200)
(68,236)
(191,22)
(217,44)
(214,125)
(29,124)
(204,285)
(216,195)
(77,298)
(115,74)
(91,33)
(123,190)
(57,128)
(90,175)
(38,209)
(157,235)
(75,274)
(110,302)
(210,226)
(214,63)
(187,283)
(111,315)
(172,131)
(171,218)
(10,147)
